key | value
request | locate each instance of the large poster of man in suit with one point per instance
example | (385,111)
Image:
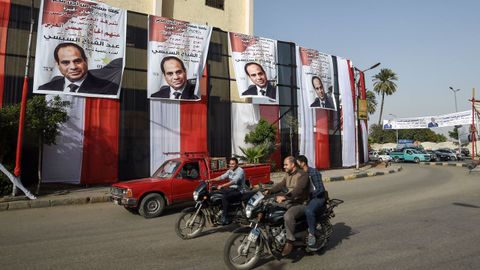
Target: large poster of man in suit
(255,60)
(177,52)
(317,79)
(80,50)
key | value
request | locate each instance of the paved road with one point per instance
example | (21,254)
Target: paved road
(421,218)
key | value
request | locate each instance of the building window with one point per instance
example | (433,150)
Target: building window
(220,4)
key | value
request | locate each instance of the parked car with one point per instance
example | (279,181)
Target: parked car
(174,182)
(379,156)
(434,155)
(452,156)
(465,151)
(409,155)
(444,156)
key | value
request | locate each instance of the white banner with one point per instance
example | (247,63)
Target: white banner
(177,52)
(255,65)
(317,78)
(445,120)
(80,49)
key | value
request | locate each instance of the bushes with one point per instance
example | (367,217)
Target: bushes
(42,122)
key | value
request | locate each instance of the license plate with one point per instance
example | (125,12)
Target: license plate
(116,202)
(253,235)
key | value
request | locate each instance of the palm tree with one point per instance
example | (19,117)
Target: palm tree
(371,102)
(384,85)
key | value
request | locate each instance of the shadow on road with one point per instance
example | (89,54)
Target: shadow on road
(211,230)
(340,233)
(466,205)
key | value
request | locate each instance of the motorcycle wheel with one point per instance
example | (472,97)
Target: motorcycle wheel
(236,254)
(188,227)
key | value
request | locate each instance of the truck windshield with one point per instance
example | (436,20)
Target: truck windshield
(167,169)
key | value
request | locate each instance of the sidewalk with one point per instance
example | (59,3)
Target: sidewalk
(57,194)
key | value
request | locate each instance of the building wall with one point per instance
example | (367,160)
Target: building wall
(141,6)
(237,16)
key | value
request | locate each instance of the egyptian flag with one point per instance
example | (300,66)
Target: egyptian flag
(348,118)
(178,127)
(313,130)
(4,18)
(86,150)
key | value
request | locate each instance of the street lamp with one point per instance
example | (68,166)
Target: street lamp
(455,95)
(357,152)
(456,110)
(396,129)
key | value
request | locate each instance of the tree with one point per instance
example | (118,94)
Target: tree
(380,135)
(371,102)
(263,139)
(384,85)
(263,132)
(454,133)
(43,119)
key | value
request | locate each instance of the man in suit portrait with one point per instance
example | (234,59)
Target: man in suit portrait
(175,75)
(261,86)
(432,124)
(322,100)
(72,63)
(388,125)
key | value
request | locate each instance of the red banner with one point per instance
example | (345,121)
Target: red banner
(4,18)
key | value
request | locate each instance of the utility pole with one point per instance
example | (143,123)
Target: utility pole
(357,152)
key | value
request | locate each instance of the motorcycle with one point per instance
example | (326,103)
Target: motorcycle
(208,207)
(267,234)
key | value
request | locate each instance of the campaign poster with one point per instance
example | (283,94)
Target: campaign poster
(317,79)
(80,49)
(177,52)
(435,121)
(255,65)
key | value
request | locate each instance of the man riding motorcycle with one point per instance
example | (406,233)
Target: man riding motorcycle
(297,183)
(232,189)
(316,205)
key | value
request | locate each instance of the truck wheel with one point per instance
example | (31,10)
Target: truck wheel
(152,205)
(396,159)
(417,160)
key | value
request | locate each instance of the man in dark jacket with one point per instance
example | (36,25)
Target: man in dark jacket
(297,183)
(175,75)
(261,86)
(316,205)
(72,63)
(323,100)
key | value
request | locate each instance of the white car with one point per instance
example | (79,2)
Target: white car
(375,156)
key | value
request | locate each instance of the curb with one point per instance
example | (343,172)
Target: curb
(40,203)
(444,164)
(359,175)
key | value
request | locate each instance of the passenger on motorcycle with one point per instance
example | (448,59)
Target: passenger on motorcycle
(316,205)
(233,189)
(296,182)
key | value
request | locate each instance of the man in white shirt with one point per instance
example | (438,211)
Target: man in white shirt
(232,190)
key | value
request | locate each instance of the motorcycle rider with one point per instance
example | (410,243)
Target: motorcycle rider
(296,181)
(316,205)
(233,189)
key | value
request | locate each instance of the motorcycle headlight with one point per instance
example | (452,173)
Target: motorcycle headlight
(248,211)
(195,196)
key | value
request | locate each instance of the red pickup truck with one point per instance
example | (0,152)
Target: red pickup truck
(175,181)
